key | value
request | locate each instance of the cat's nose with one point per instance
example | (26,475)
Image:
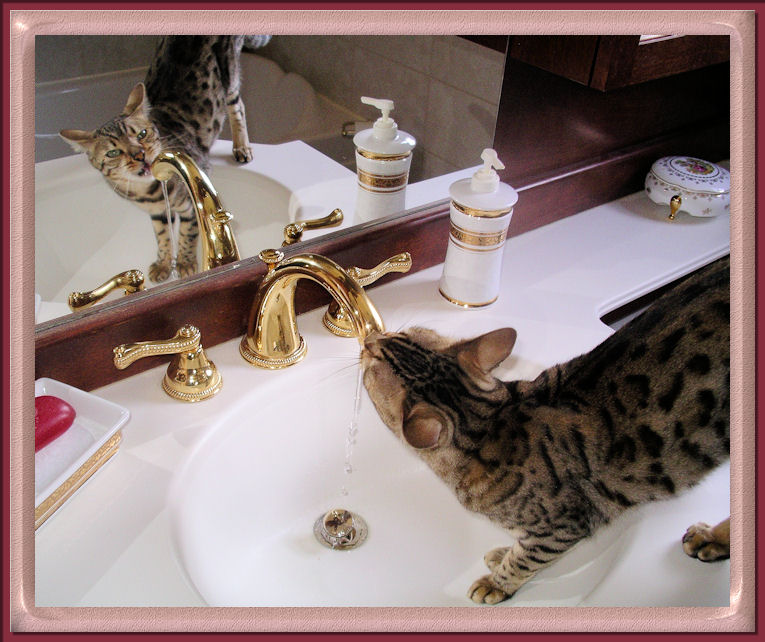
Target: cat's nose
(138,155)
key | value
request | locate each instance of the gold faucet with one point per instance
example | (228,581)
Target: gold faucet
(293,232)
(272,339)
(131,281)
(335,319)
(191,376)
(218,243)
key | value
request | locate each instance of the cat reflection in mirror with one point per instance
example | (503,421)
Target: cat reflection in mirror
(641,417)
(191,86)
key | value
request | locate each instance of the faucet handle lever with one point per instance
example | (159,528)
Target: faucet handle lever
(335,318)
(191,376)
(294,231)
(131,281)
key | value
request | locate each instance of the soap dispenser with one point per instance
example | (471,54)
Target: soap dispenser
(383,158)
(480,212)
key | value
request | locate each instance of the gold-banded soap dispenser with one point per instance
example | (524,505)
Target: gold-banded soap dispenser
(480,212)
(383,159)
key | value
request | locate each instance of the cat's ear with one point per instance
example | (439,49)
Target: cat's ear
(79,139)
(136,100)
(481,355)
(422,426)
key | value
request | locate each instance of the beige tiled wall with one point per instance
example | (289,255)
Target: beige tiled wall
(446,89)
(59,57)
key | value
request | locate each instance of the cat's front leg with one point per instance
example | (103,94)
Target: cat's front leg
(160,270)
(512,566)
(505,579)
(188,233)
(238,122)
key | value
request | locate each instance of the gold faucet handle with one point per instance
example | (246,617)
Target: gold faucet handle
(294,231)
(131,281)
(335,318)
(191,376)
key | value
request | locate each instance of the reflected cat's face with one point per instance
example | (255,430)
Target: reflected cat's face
(123,148)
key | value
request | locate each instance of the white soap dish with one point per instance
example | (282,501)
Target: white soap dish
(64,465)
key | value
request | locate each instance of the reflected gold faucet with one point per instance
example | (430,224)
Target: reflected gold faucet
(218,243)
(131,281)
(272,339)
(293,232)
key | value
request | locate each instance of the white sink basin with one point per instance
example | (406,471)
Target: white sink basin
(245,505)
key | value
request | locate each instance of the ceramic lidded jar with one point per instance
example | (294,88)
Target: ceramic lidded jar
(480,212)
(689,184)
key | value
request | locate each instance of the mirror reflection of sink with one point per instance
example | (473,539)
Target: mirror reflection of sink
(85,233)
(245,504)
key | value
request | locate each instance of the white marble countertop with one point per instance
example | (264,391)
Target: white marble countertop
(111,544)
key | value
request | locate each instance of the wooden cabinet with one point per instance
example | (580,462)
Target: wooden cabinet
(581,119)
(613,62)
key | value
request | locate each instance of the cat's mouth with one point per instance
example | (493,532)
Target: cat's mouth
(145,170)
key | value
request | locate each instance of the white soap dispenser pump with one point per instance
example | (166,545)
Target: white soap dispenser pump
(480,212)
(383,159)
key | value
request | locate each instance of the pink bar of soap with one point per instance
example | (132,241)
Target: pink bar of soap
(53,417)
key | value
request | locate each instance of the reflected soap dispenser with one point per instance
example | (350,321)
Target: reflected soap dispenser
(383,158)
(480,212)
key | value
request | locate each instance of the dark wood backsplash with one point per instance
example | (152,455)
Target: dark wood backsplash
(566,147)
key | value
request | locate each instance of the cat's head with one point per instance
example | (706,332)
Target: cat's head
(432,391)
(124,147)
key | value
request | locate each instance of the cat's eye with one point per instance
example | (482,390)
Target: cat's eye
(141,135)
(113,153)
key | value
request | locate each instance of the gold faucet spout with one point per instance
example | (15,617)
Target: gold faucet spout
(272,339)
(218,242)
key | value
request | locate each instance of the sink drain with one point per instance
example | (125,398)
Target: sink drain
(340,529)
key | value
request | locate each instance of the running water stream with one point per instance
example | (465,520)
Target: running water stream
(339,528)
(353,430)
(172,230)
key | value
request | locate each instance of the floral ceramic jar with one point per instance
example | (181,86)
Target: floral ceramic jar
(689,184)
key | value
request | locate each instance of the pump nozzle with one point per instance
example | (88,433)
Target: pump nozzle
(385,127)
(490,160)
(383,104)
(486,179)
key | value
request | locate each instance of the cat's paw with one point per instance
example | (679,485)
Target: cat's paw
(493,558)
(702,542)
(243,154)
(186,268)
(159,271)
(483,591)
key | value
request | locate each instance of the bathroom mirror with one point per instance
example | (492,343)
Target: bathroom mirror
(302,94)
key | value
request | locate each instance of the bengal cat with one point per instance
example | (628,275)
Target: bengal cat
(640,417)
